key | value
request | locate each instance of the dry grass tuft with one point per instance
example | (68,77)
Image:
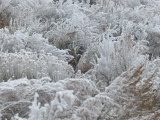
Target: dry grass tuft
(4,20)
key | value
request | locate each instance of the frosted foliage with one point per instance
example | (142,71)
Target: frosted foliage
(63,102)
(20,107)
(117,54)
(79,59)
(133,91)
(34,43)
(128,3)
(82,87)
(55,20)
(33,65)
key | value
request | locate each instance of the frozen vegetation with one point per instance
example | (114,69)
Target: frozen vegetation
(79,60)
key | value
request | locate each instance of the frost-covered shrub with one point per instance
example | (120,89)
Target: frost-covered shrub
(33,65)
(64,28)
(34,43)
(20,108)
(117,54)
(140,89)
(81,87)
(135,92)
(65,24)
(65,96)
(127,3)
(154,43)
(72,30)
(115,35)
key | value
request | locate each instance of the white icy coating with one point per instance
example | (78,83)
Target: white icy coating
(63,97)
(33,65)
(129,93)
(113,46)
